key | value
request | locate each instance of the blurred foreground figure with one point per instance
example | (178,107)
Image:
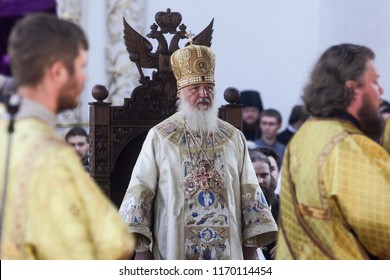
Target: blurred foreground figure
(51,208)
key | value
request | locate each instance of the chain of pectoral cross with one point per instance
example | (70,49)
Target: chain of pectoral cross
(201,176)
(196,143)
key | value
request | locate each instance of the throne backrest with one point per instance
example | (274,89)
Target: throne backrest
(118,132)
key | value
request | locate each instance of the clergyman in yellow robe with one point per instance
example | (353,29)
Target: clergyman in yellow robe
(335,199)
(341,210)
(53,208)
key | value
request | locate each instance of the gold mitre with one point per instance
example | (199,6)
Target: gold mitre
(193,65)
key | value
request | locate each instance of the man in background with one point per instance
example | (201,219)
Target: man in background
(262,165)
(78,138)
(252,106)
(270,123)
(275,166)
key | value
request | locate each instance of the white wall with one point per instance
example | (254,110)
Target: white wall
(93,21)
(268,45)
(359,22)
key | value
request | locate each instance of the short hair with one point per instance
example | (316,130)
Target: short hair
(298,113)
(326,94)
(76,131)
(272,113)
(39,40)
(269,152)
(257,156)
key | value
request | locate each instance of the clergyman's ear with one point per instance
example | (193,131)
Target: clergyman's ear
(58,71)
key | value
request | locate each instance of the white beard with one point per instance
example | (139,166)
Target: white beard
(199,120)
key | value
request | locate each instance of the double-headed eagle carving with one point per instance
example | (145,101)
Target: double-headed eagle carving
(140,49)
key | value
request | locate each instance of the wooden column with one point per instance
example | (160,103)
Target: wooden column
(99,129)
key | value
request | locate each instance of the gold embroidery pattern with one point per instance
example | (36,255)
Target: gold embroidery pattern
(183,59)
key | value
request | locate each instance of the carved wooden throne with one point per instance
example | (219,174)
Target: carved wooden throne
(118,132)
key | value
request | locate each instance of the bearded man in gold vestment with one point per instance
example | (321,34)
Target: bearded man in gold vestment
(335,200)
(51,209)
(193,193)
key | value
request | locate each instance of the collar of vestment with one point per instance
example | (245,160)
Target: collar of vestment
(173,129)
(32,109)
(348,117)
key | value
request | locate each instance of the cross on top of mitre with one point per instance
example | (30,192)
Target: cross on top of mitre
(190,36)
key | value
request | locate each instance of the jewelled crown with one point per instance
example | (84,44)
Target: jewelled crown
(192,65)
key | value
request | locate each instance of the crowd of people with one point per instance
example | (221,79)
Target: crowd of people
(201,189)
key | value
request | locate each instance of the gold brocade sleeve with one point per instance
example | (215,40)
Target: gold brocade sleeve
(360,186)
(335,194)
(69,216)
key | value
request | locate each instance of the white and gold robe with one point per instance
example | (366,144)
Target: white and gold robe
(185,211)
